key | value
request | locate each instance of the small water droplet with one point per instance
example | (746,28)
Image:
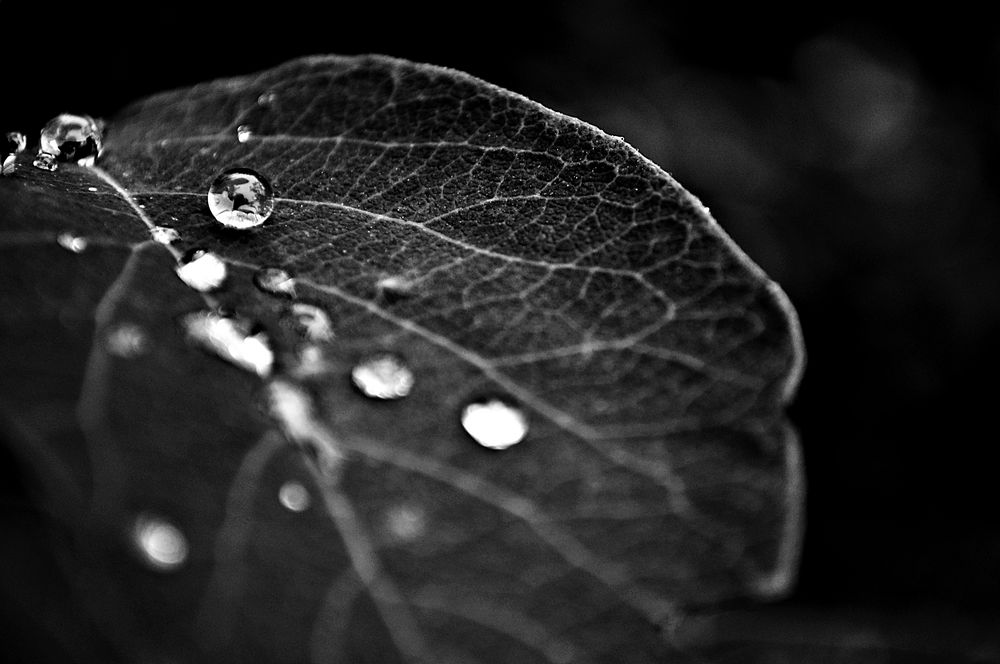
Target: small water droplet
(75,138)
(405,522)
(275,281)
(72,242)
(45,162)
(241,198)
(162,544)
(313,321)
(164,234)
(202,270)
(9,165)
(267,98)
(383,376)
(494,423)
(14,142)
(231,338)
(127,340)
(393,289)
(244,133)
(294,496)
(92,189)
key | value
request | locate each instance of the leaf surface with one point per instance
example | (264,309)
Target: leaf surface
(498,247)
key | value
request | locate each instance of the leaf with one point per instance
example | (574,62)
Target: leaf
(501,249)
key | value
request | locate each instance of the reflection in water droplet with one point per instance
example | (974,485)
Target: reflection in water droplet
(405,522)
(45,162)
(393,289)
(275,281)
(232,339)
(294,496)
(313,321)
(162,545)
(201,270)
(244,133)
(127,340)
(241,198)
(494,423)
(14,142)
(72,242)
(75,138)
(383,376)
(9,165)
(164,234)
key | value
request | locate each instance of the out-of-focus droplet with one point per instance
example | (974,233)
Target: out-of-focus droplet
(164,234)
(14,142)
(161,544)
(202,270)
(244,133)
(127,341)
(72,242)
(45,161)
(267,99)
(231,338)
(92,189)
(405,522)
(494,423)
(312,321)
(393,289)
(9,165)
(275,281)
(75,138)
(383,376)
(294,496)
(241,198)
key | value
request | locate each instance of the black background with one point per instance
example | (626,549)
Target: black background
(852,155)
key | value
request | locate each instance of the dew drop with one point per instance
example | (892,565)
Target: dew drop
(14,142)
(45,161)
(405,522)
(240,198)
(75,138)
(164,234)
(313,321)
(244,133)
(202,270)
(9,165)
(72,242)
(231,338)
(494,423)
(275,281)
(294,496)
(92,189)
(162,545)
(267,99)
(383,376)
(393,289)
(127,340)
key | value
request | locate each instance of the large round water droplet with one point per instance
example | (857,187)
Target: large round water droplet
(72,242)
(495,423)
(275,281)
(383,376)
(75,138)
(202,270)
(240,198)
(161,544)
(294,496)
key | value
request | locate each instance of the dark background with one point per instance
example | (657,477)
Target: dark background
(854,156)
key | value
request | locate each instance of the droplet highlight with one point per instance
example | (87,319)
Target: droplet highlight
(161,544)
(275,281)
(244,133)
(164,234)
(312,321)
(383,376)
(202,270)
(71,242)
(127,341)
(241,198)
(494,423)
(73,138)
(231,338)
(293,496)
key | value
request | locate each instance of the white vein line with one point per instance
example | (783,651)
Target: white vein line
(105,177)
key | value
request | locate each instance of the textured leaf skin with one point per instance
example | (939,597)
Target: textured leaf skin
(545,260)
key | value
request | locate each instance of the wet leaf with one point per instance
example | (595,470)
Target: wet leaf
(530,257)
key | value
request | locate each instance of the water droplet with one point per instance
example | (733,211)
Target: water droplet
(72,242)
(241,198)
(164,234)
(267,99)
(244,133)
(127,340)
(383,376)
(162,544)
(9,164)
(201,270)
(405,522)
(14,142)
(92,189)
(275,281)
(45,162)
(314,322)
(494,423)
(231,338)
(75,138)
(393,289)
(294,496)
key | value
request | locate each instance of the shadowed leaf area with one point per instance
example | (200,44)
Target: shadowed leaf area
(500,250)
